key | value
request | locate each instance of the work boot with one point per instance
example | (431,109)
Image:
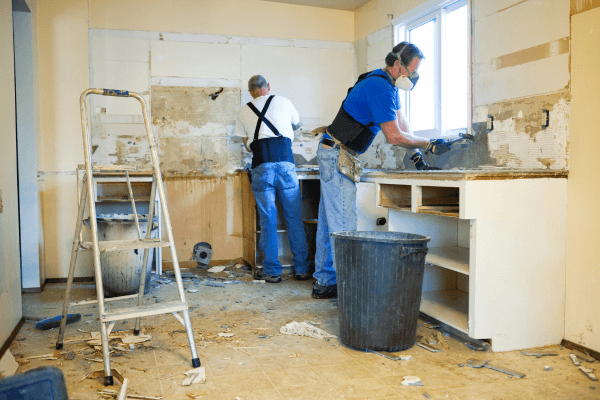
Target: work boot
(420,163)
(324,292)
(260,275)
(302,277)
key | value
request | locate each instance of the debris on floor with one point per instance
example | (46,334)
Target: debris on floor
(412,381)
(8,365)
(197,375)
(573,358)
(589,373)
(486,364)
(538,354)
(306,328)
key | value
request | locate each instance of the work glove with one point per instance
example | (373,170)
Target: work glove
(420,163)
(437,146)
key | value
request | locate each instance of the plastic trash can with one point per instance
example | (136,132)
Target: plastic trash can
(121,270)
(379,281)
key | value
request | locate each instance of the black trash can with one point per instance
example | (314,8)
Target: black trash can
(379,281)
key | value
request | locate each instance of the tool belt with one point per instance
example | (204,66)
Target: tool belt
(347,163)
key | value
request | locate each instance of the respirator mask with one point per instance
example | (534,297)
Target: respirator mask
(406,83)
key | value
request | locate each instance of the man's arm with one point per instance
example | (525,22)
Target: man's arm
(398,132)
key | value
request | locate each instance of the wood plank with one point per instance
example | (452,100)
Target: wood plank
(454,258)
(448,306)
(117,245)
(144,311)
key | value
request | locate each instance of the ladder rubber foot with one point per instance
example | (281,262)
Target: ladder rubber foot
(59,346)
(108,381)
(136,332)
(196,362)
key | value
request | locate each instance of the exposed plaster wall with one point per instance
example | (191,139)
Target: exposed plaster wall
(10,265)
(520,66)
(69,57)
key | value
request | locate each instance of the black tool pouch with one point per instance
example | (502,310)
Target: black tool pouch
(350,132)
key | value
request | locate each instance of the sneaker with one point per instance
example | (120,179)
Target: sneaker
(260,275)
(324,292)
(302,277)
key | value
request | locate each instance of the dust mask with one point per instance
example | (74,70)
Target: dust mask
(403,83)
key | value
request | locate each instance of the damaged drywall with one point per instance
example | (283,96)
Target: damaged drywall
(119,139)
(195,130)
(518,139)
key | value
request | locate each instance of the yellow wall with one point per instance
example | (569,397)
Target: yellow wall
(582,316)
(10,274)
(375,15)
(63,55)
(224,17)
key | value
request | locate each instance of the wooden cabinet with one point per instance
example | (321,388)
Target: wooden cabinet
(496,262)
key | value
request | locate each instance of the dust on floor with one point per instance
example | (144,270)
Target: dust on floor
(258,362)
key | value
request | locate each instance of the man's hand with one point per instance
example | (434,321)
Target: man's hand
(437,146)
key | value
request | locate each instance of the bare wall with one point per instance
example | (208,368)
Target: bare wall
(66,67)
(10,268)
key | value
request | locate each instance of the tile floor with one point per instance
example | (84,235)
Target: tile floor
(247,367)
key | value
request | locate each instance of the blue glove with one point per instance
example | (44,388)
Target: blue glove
(437,146)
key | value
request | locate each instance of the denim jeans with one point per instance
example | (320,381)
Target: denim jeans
(279,179)
(337,213)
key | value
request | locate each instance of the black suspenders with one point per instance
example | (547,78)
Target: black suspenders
(261,118)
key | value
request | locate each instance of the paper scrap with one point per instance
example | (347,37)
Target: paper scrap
(216,269)
(226,334)
(305,328)
(197,375)
(412,381)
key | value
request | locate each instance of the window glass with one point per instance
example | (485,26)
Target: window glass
(454,70)
(422,97)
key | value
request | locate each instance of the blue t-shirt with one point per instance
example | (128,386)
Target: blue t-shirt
(373,100)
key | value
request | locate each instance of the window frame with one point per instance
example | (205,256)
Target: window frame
(435,10)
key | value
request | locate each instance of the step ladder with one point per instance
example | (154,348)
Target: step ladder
(109,318)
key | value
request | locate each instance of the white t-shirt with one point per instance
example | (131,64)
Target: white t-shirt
(281,113)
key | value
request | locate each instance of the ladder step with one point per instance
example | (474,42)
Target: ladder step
(86,302)
(116,245)
(144,311)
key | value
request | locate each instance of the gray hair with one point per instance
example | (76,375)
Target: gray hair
(408,54)
(257,82)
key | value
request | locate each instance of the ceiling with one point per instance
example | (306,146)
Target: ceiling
(348,5)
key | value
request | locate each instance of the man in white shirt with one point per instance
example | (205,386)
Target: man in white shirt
(266,125)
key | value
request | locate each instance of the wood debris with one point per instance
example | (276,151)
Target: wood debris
(114,393)
(135,339)
(589,373)
(197,375)
(197,395)
(442,340)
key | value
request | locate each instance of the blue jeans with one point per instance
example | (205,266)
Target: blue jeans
(268,181)
(337,213)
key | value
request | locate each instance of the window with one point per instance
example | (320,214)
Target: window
(439,105)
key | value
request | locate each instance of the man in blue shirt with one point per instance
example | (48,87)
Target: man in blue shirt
(372,105)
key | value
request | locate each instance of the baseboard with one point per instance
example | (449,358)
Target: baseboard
(574,346)
(12,337)
(64,280)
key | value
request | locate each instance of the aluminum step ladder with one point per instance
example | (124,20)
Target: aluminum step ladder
(109,318)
